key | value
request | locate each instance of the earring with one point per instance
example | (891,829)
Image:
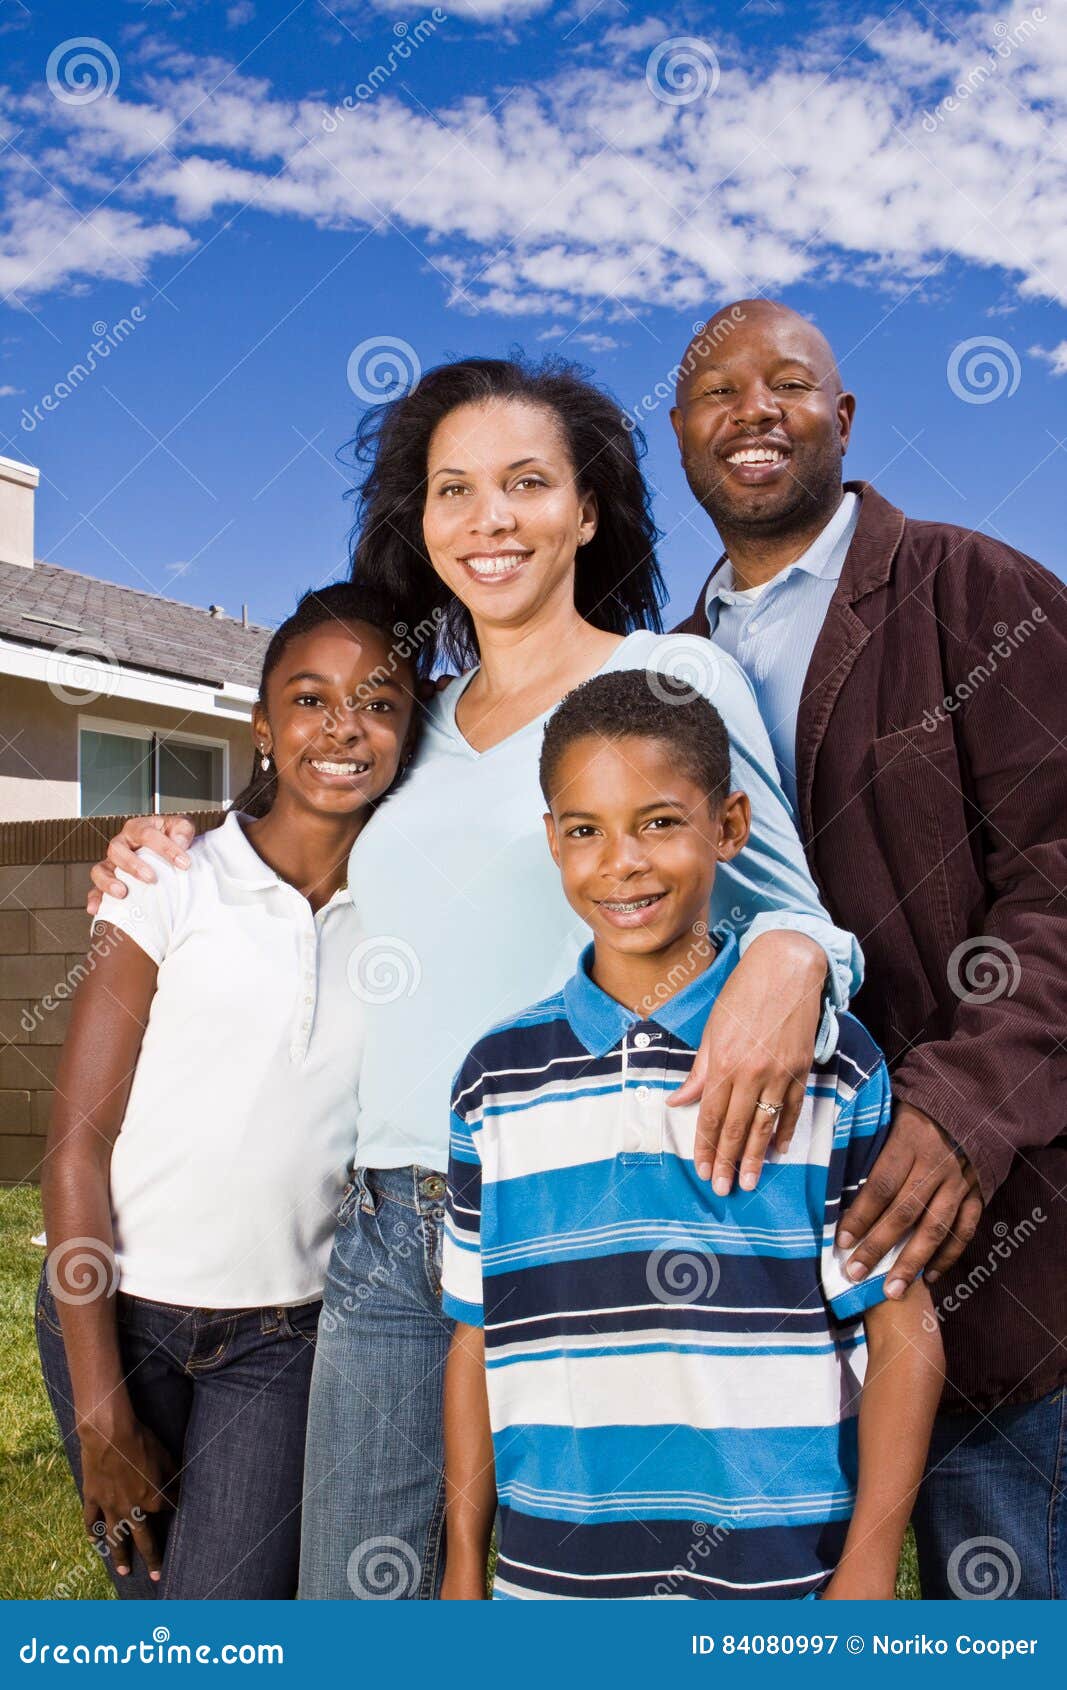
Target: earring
(264,761)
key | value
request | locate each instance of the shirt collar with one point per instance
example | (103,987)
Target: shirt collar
(600,1021)
(242,864)
(824,558)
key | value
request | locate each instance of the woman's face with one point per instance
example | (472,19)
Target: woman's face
(504,516)
(338,718)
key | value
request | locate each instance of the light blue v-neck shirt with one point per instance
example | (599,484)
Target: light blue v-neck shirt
(465,918)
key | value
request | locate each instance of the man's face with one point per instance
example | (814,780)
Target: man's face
(761,425)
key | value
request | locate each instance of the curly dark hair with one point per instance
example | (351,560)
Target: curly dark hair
(342,601)
(618,585)
(637,703)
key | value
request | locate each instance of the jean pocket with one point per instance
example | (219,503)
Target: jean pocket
(46,1311)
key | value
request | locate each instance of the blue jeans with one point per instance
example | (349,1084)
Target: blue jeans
(374,1473)
(991,1518)
(226,1392)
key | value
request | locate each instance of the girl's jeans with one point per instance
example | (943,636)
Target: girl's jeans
(374,1473)
(225,1391)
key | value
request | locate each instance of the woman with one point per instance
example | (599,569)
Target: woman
(505,508)
(201,1133)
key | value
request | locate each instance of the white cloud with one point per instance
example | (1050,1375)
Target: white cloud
(877,156)
(7,391)
(1054,356)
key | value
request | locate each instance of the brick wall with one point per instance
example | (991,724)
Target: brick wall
(44,937)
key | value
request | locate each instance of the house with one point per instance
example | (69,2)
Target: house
(113,700)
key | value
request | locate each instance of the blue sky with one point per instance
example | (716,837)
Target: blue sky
(191,191)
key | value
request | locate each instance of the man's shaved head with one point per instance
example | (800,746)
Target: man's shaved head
(763,422)
(715,336)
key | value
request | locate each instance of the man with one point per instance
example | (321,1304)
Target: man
(913,678)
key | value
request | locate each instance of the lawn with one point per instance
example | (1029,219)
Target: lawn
(48,1553)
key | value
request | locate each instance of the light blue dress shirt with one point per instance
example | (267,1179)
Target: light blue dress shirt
(464,916)
(771,630)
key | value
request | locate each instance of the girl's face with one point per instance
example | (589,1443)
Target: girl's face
(504,515)
(339,716)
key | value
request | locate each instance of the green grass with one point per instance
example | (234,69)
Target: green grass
(46,1550)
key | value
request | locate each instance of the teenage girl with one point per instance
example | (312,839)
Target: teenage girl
(204,1122)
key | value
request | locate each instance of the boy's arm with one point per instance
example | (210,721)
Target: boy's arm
(470,1479)
(901,1390)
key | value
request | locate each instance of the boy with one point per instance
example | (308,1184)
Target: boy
(660,1385)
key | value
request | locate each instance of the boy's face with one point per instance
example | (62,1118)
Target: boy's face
(637,841)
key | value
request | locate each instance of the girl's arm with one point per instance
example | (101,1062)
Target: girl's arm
(125,1468)
(168,836)
(470,1478)
(901,1390)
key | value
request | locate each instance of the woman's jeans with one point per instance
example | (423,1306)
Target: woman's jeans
(991,1517)
(374,1475)
(226,1393)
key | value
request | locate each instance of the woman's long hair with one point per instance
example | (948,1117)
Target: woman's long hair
(343,601)
(618,585)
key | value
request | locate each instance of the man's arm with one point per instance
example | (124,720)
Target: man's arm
(470,1479)
(901,1389)
(993,1086)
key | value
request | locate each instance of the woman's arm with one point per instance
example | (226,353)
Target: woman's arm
(901,1390)
(776,1012)
(168,836)
(125,1468)
(470,1478)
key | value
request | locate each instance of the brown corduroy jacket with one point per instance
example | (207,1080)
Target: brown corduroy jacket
(932,778)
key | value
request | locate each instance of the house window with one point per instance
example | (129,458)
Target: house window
(132,771)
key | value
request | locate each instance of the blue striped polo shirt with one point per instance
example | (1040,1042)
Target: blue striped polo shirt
(673,1377)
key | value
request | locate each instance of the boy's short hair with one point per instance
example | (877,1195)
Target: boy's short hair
(640,703)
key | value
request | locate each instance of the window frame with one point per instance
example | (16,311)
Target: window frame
(155,737)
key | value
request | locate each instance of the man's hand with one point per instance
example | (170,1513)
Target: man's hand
(758,1046)
(167,836)
(918,1181)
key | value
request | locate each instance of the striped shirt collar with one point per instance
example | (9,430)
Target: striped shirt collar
(600,1021)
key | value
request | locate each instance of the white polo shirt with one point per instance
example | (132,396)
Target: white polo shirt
(241,1120)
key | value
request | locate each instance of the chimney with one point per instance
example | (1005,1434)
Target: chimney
(18,483)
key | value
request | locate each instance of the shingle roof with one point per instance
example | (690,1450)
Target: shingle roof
(134,628)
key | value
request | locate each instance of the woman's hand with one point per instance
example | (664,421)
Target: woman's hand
(125,1475)
(168,836)
(757,1047)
